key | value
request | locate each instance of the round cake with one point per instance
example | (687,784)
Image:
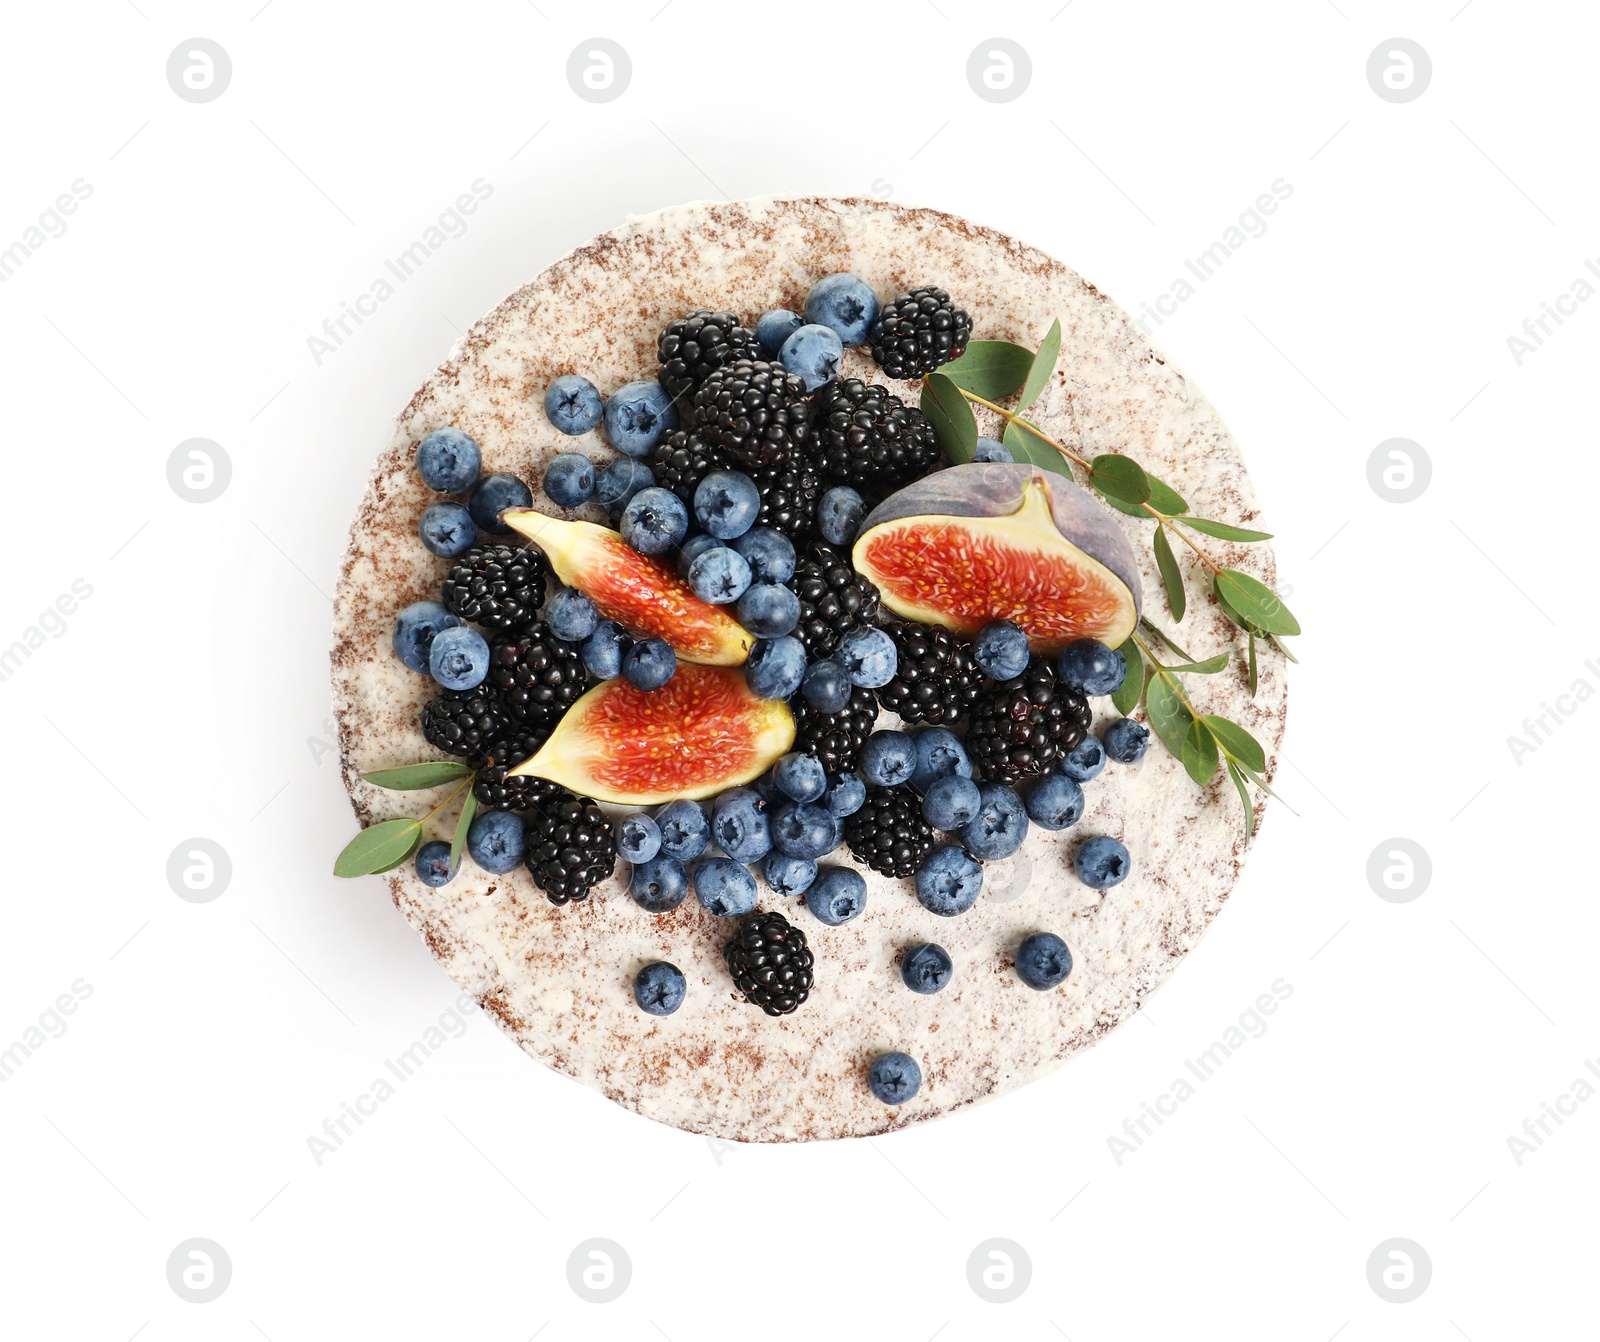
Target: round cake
(559,979)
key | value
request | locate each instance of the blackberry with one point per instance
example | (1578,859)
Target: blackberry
(888,833)
(919,331)
(834,598)
(789,493)
(694,347)
(868,437)
(754,411)
(571,846)
(496,792)
(936,679)
(538,675)
(682,460)
(770,963)
(834,738)
(469,723)
(498,586)
(1024,727)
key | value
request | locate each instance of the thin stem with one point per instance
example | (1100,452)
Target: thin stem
(1166,521)
(464,786)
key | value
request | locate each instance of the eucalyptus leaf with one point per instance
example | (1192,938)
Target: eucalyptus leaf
(1237,742)
(1200,752)
(1209,667)
(1253,677)
(1164,498)
(1232,614)
(1223,532)
(1169,715)
(404,857)
(1171,578)
(469,809)
(951,416)
(1166,639)
(1127,695)
(1043,365)
(1256,602)
(992,369)
(1261,783)
(415,777)
(1026,445)
(1119,477)
(1280,646)
(1244,798)
(380,847)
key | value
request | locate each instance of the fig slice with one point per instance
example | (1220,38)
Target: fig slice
(639,592)
(702,732)
(995,540)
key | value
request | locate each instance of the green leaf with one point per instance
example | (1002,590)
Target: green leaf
(1119,477)
(1209,667)
(992,369)
(1200,752)
(469,809)
(1169,715)
(1223,532)
(1164,498)
(951,417)
(1043,365)
(1256,603)
(1163,636)
(1171,578)
(1127,695)
(1244,797)
(380,847)
(414,777)
(1261,783)
(1026,445)
(1253,677)
(1239,744)
(1278,644)
(404,857)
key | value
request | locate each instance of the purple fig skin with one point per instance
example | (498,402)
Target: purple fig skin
(996,489)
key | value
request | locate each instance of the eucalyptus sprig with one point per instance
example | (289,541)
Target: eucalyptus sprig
(391,843)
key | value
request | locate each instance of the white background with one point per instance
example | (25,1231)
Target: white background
(187,696)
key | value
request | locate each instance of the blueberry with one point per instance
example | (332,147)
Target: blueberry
(719,575)
(802,829)
(888,758)
(569,480)
(660,988)
(768,610)
(739,824)
(1101,862)
(447,529)
(496,841)
(1001,650)
(654,521)
(448,461)
(800,777)
(1126,740)
(1055,802)
(649,665)
(1088,666)
(940,754)
(846,794)
(602,650)
(991,449)
(620,481)
(724,887)
(685,831)
(492,496)
(826,686)
(774,328)
(845,305)
(999,827)
(775,666)
(571,615)
(660,884)
(459,658)
(726,504)
(1085,760)
(812,353)
(573,404)
(788,875)
(415,629)
(433,863)
(769,553)
(868,656)
(840,512)
(926,968)
(948,881)
(837,895)
(951,802)
(1043,961)
(894,1077)
(638,416)
(638,838)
